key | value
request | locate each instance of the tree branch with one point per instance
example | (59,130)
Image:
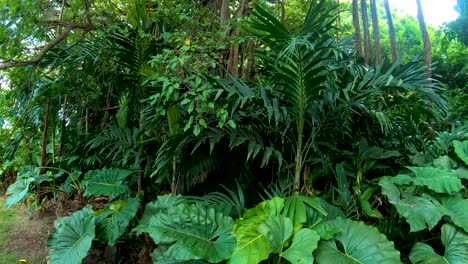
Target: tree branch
(69,27)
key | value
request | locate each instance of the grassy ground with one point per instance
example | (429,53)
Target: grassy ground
(22,235)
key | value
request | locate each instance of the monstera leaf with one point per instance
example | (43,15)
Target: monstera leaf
(456,248)
(461,148)
(73,237)
(194,232)
(252,245)
(360,244)
(107,182)
(113,220)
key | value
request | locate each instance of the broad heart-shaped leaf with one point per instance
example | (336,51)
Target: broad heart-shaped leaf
(253,246)
(113,220)
(18,191)
(361,244)
(304,243)
(73,237)
(158,256)
(461,148)
(196,231)
(390,189)
(277,229)
(153,209)
(456,248)
(424,254)
(295,207)
(437,179)
(420,212)
(457,209)
(107,182)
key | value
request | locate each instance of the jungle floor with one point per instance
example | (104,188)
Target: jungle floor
(23,235)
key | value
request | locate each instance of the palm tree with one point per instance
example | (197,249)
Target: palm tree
(365,26)
(425,37)
(297,65)
(357,30)
(391,30)
(375,31)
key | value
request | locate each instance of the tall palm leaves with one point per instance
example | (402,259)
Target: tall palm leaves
(297,64)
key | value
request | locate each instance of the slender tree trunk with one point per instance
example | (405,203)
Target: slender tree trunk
(283,11)
(357,28)
(425,37)
(224,13)
(375,32)
(44,138)
(391,31)
(365,25)
(62,129)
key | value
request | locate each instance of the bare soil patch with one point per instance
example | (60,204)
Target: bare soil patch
(24,234)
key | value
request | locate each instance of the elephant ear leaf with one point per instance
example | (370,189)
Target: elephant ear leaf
(107,182)
(461,148)
(193,232)
(113,220)
(277,229)
(73,237)
(356,243)
(456,248)
(253,246)
(303,244)
(18,191)
(457,208)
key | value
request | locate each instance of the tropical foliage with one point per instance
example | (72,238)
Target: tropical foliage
(129,116)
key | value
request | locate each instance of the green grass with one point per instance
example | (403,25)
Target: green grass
(9,219)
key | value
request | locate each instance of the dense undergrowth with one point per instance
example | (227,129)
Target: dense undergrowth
(317,158)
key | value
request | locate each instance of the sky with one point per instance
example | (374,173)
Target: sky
(435,11)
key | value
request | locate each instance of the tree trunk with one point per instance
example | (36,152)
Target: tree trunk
(365,25)
(224,15)
(375,31)
(391,31)
(425,37)
(357,28)
(283,11)
(62,129)
(44,138)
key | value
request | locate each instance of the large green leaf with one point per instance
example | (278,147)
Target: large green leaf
(295,207)
(420,212)
(424,254)
(303,244)
(107,182)
(153,209)
(18,190)
(252,245)
(390,189)
(457,209)
(461,148)
(456,248)
(277,229)
(113,220)
(437,179)
(73,237)
(361,244)
(196,231)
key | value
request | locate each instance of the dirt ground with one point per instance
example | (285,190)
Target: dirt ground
(23,235)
